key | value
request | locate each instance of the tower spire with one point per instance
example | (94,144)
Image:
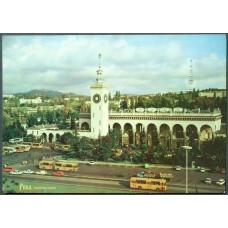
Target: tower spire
(99,71)
(99,56)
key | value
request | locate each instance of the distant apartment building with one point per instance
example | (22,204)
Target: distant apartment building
(8,96)
(218,93)
(44,108)
(37,100)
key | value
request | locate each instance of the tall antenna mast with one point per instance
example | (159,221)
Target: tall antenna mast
(191,77)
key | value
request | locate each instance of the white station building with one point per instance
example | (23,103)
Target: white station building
(174,127)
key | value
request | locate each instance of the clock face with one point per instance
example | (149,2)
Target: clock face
(96,98)
(105,98)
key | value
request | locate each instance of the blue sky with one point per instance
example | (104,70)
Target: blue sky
(134,64)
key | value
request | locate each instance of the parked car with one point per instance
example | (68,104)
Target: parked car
(202,170)
(58,174)
(220,182)
(178,168)
(92,163)
(208,180)
(16,172)
(41,172)
(28,171)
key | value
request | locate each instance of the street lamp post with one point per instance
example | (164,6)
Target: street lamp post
(186,149)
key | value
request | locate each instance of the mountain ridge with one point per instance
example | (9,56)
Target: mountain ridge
(51,93)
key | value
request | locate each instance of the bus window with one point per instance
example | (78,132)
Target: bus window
(58,164)
(45,163)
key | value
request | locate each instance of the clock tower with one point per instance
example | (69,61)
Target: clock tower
(99,106)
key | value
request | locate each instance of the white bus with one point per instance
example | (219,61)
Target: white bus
(8,150)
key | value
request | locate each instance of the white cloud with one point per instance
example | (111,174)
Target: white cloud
(130,65)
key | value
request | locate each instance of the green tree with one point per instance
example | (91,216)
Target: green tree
(113,106)
(67,138)
(106,144)
(159,153)
(116,138)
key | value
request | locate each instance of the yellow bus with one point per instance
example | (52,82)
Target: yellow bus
(47,164)
(33,144)
(59,165)
(66,166)
(19,148)
(36,145)
(148,183)
(25,147)
(62,147)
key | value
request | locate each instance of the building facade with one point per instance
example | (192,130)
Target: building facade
(173,127)
(37,100)
(219,93)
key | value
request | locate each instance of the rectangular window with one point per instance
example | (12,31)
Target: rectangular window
(99,122)
(99,107)
(93,114)
(57,164)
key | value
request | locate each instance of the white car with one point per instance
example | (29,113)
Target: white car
(28,171)
(16,172)
(41,172)
(220,182)
(92,163)
(178,168)
(202,170)
(208,180)
(140,174)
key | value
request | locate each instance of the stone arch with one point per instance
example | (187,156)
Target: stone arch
(117,126)
(178,131)
(206,133)
(140,127)
(50,137)
(164,130)
(164,135)
(44,136)
(127,134)
(192,133)
(140,135)
(178,136)
(152,134)
(85,126)
(58,136)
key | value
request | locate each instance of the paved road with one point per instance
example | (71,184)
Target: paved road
(116,184)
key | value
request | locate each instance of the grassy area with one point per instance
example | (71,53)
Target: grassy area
(20,186)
